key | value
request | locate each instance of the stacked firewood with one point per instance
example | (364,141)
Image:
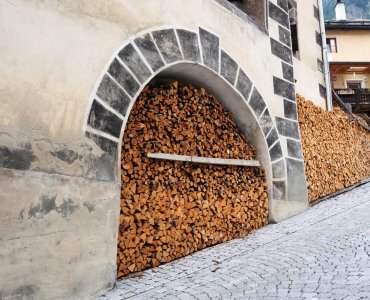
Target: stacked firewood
(336,150)
(170,209)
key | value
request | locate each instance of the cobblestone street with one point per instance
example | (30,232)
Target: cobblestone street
(323,253)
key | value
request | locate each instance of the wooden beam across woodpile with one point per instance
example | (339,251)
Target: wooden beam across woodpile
(170,208)
(336,151)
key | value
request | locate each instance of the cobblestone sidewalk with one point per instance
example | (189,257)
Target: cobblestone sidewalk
(323,253)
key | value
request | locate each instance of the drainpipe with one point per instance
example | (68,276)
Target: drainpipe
(329,103)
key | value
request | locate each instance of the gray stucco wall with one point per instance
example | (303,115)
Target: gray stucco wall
(59,187)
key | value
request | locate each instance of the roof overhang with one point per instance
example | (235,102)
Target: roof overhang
(348,24)
(349,67)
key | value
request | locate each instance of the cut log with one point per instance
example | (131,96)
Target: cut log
(172,208)
(336,151)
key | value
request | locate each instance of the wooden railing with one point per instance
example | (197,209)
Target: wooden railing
(354,96)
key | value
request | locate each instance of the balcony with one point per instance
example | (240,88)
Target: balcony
(358,99)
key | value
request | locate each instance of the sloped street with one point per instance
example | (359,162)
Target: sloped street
(323,253)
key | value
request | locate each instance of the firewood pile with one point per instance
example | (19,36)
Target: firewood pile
(336,150)
(170,209)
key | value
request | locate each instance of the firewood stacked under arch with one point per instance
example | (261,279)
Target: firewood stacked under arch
(170,209)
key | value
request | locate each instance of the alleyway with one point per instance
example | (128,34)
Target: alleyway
(323,253)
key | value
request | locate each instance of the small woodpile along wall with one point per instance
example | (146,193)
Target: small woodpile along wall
(336,151)
(170,209)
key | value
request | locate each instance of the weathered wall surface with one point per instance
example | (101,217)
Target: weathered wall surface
(53,54)
(308,62)
(57,235)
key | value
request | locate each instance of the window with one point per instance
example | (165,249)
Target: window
(256,9)
(292,10)
(331,44)
(354,84)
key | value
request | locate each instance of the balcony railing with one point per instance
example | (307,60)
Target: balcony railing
(355,96)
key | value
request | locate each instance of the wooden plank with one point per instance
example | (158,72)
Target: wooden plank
(205,160)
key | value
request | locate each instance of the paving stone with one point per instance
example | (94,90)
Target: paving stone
(294,259)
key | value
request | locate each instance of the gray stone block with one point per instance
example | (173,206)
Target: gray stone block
(106,165)
(256,103)
(133,60)
(123,77)
(149,51)
(272,137)
(283,4)
(316,12)
(279,190)
(228,67)
(294,149)
(318,38)
(266,122)
(189,45)
(244,85)
(284,36)
(290,110)
(167,44)
(113,95)
(102,119)
(287,72)
(284,88)
(210,49)
(322,90)
(278,15)
(275,152)
(278,169)
(296,178)
(281,51)
(287,128)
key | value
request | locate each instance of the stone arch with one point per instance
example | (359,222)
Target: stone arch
(192,56)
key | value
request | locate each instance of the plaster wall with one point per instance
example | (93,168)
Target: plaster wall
(352,45)
(57,235)
(306,70)
(340,82)
(59,189)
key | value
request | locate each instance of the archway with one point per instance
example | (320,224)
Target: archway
(195,57)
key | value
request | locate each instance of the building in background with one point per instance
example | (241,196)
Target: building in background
(348,44)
